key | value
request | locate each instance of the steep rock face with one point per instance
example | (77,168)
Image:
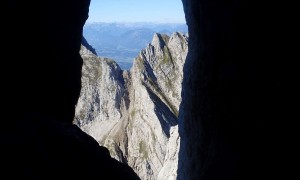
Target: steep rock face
(134,113)
(101,98)
(163,60)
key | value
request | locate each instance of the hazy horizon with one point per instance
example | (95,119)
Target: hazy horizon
(136,11)
(136,22)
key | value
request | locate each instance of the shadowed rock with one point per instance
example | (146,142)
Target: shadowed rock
(234,92)
(42,88)
(235,118)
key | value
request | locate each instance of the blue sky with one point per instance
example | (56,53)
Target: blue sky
(160,11)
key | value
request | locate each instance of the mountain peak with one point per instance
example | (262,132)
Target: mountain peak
(87,48)
(160,40)
(134,114)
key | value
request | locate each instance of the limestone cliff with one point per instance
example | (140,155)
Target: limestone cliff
(134,113)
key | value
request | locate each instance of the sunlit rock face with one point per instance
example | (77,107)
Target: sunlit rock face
(134,113)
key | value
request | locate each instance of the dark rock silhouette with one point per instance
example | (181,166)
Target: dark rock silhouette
(236,120)
(42,84)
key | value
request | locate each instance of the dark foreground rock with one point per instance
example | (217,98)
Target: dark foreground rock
(42,84)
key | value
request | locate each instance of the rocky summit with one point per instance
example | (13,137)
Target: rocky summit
(134,113)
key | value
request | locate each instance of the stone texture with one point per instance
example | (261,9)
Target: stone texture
(237,119)
(134,113)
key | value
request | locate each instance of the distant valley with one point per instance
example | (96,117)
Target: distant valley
(123,41)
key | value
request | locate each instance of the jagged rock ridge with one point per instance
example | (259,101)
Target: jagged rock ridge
(87,47)
(134,113)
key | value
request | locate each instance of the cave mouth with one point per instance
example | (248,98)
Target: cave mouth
(167,114)
(112,27)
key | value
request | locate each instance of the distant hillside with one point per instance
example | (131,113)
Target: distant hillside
(123,41)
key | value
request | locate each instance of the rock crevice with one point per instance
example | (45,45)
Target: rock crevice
(142,128)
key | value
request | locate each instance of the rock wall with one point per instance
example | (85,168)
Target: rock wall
(134,113)
(235,119)
(42,81)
